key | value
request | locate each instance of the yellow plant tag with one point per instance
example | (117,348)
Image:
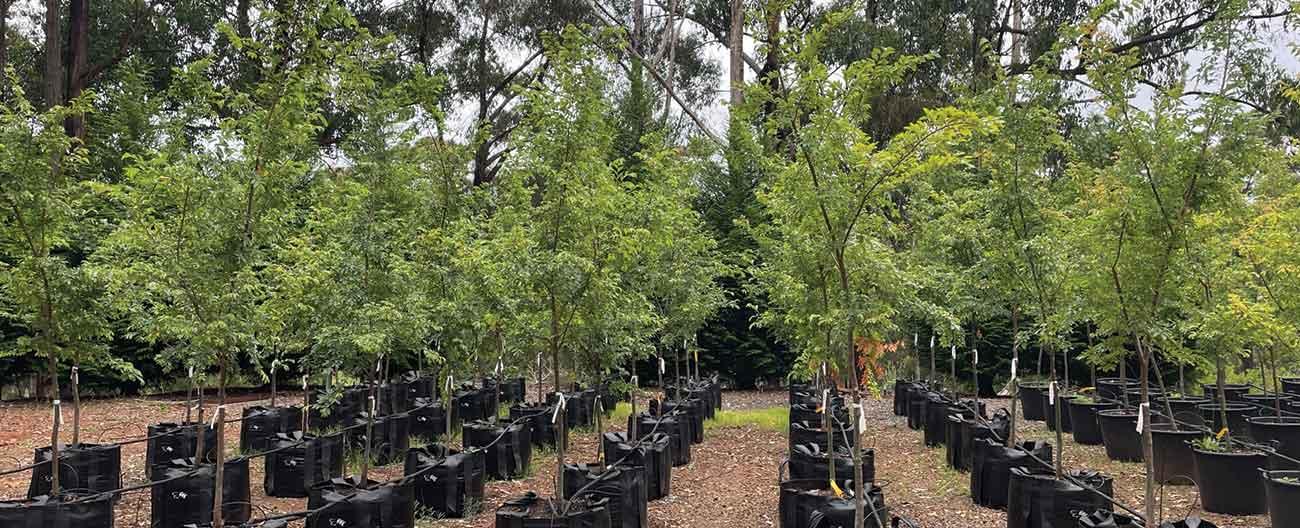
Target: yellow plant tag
(1222,432)
(839,493)
(820,409)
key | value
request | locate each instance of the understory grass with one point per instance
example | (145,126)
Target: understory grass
(772,418)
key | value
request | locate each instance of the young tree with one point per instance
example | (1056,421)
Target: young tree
(830,194)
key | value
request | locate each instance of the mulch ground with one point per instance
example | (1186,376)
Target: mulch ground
(732,480)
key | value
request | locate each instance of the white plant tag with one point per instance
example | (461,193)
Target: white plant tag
(914,338)
(977,355)
(559,406)
(499,366)
(662,367)
(217,412)
(191,372)
(74,376)
(1142,411)
(304,382)
(862,418)
(635,381)
(1051,393)
(58,412)
(954,352)
(539,362)
(826,399)
(1013,369)
(931,342)
(372,406)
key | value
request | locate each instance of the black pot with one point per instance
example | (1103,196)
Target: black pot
(692,410)
(1135,396)
(1120,436)
(514,390)
(345,502)
(171,441)
(995,429)
(300,461)
(936,419)
(1049,411)
(652,453)
(1083,421)
(623,488)
(953,441)
(1281,434)
(1031,401)
(187,495)
(531,511)
(1291,386)
(1268,404)
(260,424)
(990,474)
(1171,456)
(1231,392)
(679,431)
(1108,519)
(428,419)
(390,440)
(542,430)
(916,410)
(1037,499)
(83,468)
(808,461)
(446,482)
(813,433)
(803,412)
(1186,411)
(807,503)
(1237,415)
(1111,390)
(1229,482)
(47,512)
(1283,494)
(900,397)
(507,447)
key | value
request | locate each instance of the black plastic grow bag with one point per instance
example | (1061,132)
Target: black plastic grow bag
(343,503)
(936,420)
(1083,421)
(808,503)
(953,440)
(1037,499)
(916,410)
(428,419)
(45,512)
(541,430)
(391,438)
(990,475)
(654,454)
(691,409)
(1231,392)
(1107,519)
(1171,457)
(1229,482)
(678,430)
(1119,434)
(513,390)
(260,424)
(578,407)
(623,488)
(808,461)
(808,413)
(1237,415)
(1283,490)
(469,404)
(446,482)
(1031,401)
(169,441)
(393,397)
(300,461)
(814,433)
(900,397)
(418,386)
(1282,435)
(506,447)
(188,498)
(531,511)
(996,429)
(84,468)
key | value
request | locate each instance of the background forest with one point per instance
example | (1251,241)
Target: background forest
(250,187)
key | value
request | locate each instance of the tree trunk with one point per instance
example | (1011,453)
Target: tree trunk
(736,47)
(1145,416)
(76,405)
(932,360)
(1056,418)
(4,42)
(561,414)
(53,58)
(1015,362)
(78,48)
(218,488)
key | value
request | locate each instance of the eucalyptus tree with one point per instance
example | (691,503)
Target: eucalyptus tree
(1148,210)
(830,193)
(204,210)
(44,202)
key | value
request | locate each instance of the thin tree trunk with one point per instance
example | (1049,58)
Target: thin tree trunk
(218,487)
(1145,416)
(4,42)
(1015,362)
(76,405)
(1056,408)
(53,57)
(736,47)
(78,49)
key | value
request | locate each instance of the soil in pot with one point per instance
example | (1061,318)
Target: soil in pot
(1172,460)
(990,474)
(300,461)
(1231,392)
(71,511)
(1186,410)
(808,461)
(1229,481)
(1282,434)
(623,487)
(1119,434)
(653,453)
(1037,499)
(446,482)
(1083,421)
(1111,390)
(531,511)
(83,468)
(508,448)
(1031,401)
(188,498)
(1283,496)
(343,502)
(1237,415)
